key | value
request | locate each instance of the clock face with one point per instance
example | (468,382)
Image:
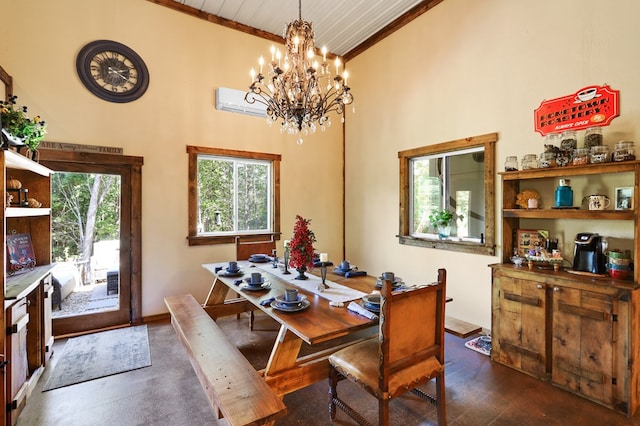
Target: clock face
(112,71)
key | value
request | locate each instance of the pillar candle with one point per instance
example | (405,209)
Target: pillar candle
(324,257)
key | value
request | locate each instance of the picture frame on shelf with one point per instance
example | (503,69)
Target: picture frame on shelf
(20,256)
(530,239)
(624,198)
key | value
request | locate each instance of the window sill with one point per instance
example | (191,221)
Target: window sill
(206,240)
(451,245)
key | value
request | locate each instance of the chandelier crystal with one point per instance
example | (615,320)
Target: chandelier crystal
(297,89)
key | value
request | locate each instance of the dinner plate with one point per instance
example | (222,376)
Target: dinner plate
(290,308)
(341,271)
(372,299)
(397,283)
(262,258)
(369,307)
(280,299)
(226,273)
(247,287)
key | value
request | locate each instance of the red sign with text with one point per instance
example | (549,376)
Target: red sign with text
(590,106)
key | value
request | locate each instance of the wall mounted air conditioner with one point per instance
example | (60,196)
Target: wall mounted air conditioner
(233,100)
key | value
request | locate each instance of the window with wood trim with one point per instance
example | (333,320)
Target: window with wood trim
(232,194)
(455,176)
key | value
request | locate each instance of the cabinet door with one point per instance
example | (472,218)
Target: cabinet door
(18,317)
(521,323)
(583,342)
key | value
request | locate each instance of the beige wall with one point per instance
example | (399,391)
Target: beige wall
(468,68)
(465,68)
(187,59)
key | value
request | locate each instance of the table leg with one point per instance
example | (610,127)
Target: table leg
(285,352)
(217,306)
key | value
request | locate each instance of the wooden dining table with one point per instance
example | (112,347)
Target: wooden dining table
(320,325)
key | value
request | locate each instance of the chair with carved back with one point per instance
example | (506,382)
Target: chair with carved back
(408,352)
(244,250)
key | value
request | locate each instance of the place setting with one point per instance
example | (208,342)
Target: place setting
(347,270)
(259,258)
(255,282)
(232,270)
(396,282)
(290,301)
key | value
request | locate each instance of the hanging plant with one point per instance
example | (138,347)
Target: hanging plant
(22,129)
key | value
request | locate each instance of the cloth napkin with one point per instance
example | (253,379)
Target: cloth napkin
(355,307)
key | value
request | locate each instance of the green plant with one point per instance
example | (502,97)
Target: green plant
(17,123)
(440,218)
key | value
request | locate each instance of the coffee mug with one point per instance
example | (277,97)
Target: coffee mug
(586,95)
(233,266)
(345,266)
(390,276)
(291,295)
(256,278)
(598,202)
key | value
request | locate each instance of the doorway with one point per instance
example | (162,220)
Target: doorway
(109,269)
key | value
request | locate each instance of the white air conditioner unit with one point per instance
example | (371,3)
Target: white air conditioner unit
(233,100)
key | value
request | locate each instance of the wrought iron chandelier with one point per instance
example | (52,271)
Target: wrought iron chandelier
(297,89)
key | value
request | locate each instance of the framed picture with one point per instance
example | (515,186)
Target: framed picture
(530,239)
(624,198)
(19,253)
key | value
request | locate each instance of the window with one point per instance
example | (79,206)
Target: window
(232,194)
(455,176)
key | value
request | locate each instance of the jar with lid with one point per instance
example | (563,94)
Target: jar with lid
(599,154)
(580,156)
(552,139)
(511,164)
(529,161)
(624,151)
(547,159)
(563,158)
(568,140)
(593,137)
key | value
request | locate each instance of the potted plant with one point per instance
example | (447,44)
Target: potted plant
(301,247)
(18,129)
(441,221)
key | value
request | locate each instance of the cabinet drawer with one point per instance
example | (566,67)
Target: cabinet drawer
(17,317)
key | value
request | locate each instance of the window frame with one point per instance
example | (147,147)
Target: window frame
(487,247)
(193,238)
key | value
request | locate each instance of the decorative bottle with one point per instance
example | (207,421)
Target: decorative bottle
(564,194)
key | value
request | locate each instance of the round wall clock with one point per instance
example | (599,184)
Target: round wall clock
(112,71)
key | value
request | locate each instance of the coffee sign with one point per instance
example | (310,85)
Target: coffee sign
(590,106)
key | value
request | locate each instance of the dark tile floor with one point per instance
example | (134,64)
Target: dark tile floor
(479,392)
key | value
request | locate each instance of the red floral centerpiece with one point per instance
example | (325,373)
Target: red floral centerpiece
(301,247)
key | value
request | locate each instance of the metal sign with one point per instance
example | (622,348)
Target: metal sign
(590,106)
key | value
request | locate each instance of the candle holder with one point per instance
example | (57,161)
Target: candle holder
(323,274)
(275,258)
(286,262)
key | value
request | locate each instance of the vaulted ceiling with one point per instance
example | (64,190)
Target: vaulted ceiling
(345,27)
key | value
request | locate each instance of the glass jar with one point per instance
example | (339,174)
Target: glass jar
(552,139)
(563,158)
(529,161)
(624,151)
(568,140)
(580,156)
(593,137)
(599,154)
(547,159)
(511,164)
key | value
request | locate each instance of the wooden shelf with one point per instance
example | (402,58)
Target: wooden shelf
(555,172)
(14,160)
(26,212)
(569,214)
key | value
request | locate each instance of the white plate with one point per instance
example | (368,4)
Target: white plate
(287,308)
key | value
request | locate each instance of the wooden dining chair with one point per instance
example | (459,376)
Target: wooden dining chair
(244,250)
(408,352)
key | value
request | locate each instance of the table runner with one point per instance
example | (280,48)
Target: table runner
(335,293)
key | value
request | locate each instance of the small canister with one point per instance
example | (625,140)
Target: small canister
(568,140)
(511,164)
(580,156)
(599,154)
(593,137)
(563,158)
(624,151)
(529,161)
(547,159)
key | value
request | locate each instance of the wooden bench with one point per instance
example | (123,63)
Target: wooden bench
(234,388)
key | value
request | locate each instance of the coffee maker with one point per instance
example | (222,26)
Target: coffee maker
(589,253)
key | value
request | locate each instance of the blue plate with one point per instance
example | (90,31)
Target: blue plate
(247,287)
(341,271)
(280,300)
(239,273)
(290,308)
(259,258)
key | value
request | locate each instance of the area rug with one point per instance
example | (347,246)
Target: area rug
(101,354)
(480,344)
